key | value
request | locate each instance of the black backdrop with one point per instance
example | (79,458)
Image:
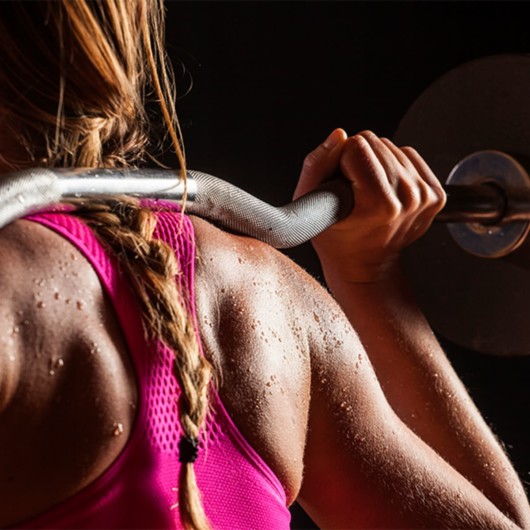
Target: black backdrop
(262,83)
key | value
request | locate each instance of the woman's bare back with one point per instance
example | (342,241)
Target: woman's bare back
(68,389)
(67,385)
(291,372)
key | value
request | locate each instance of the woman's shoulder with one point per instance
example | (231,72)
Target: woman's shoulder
(245,271)
(230,255)
(248,320)
(257,313)
(250,277)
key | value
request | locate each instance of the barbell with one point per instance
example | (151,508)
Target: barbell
(473,125)
(488,206)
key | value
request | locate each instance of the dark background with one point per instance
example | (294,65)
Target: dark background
(272,79)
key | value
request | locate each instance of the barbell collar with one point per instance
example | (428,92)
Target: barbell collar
(495,218)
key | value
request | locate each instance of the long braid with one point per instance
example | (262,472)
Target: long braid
(127,230)
(80,101)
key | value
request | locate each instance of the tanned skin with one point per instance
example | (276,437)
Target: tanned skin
(347,397)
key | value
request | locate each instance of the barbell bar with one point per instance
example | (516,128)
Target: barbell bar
(487,211)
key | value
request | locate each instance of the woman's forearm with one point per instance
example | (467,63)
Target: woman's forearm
(423,389)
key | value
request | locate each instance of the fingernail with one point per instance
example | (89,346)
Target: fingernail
(333,139)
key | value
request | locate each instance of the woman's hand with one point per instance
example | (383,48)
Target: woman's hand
(396,198)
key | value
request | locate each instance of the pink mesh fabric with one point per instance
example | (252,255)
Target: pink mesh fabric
(139,489)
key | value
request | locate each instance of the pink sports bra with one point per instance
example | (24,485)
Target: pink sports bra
(139,489)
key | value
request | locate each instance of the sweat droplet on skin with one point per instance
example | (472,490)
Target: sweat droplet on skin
(117,429)
(55,365)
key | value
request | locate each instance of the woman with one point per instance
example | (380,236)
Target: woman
(158,372)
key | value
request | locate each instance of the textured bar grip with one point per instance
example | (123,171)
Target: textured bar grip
(282,227)
(31,190)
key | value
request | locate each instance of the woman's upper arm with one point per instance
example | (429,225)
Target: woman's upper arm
(364,468)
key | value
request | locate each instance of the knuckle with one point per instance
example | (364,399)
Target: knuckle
(310,160)
(432,193)
(367,134)
(357,140)
(393,209)
(438,197)
(441,200)
(426,192)
(415,199)
(409,151)
(358,147)
(441,195)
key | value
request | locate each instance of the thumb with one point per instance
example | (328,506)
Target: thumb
(321,163)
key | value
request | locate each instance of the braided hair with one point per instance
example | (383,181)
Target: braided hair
(75,78)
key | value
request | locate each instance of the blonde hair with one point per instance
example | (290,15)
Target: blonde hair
(75,77)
